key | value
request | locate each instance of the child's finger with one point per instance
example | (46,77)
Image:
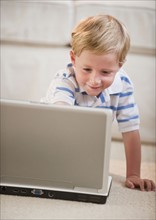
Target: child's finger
(129,184)
(142,185)
(153,185)
(148,185)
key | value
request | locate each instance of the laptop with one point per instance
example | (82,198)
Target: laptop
(57,152)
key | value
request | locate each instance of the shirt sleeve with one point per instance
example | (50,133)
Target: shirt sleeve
(127,111)
(60,90)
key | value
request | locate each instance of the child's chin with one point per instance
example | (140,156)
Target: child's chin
(92,93)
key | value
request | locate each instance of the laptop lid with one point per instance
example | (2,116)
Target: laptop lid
(48,146)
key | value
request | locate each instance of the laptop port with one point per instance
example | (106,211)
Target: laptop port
(16,190)
(37,192)
(23,191)
(50,194)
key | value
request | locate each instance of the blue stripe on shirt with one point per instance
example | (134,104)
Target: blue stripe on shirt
(126,94)
(77,90)
(115,94)
(69,65)
(122,94)
(125,106)
(66,90)
(118,108)
(102,98)
(124,78)
(127,119)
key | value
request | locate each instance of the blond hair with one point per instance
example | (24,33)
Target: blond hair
(101,34)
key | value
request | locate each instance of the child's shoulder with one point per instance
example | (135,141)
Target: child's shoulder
(122,82)
(122,72)
(62,74)
(65,73)
(124,77)
(65,77)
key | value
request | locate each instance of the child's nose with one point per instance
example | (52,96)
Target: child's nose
(95,79)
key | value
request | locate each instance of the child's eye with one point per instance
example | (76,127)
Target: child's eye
(106,72)
(87,69)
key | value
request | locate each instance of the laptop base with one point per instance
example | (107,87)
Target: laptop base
(56,194)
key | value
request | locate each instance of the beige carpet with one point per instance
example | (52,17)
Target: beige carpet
(122,203)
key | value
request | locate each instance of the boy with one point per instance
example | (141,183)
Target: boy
(95,79)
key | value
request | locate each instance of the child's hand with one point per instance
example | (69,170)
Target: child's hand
(136,182)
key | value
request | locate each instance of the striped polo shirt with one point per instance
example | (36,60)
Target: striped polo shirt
(118,97)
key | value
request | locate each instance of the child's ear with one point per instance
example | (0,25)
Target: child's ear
(72,57)
(120,65)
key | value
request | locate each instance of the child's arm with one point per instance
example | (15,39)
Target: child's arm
(133,162)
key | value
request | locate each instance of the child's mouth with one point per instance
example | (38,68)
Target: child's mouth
(94,87)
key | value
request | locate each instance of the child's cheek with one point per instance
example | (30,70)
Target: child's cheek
(83,78)
(107,80)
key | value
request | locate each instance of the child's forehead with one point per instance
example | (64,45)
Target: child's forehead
(99,62)
(87,55)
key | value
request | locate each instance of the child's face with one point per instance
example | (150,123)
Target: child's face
(94,73)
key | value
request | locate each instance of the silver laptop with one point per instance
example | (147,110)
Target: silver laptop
(58,152)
